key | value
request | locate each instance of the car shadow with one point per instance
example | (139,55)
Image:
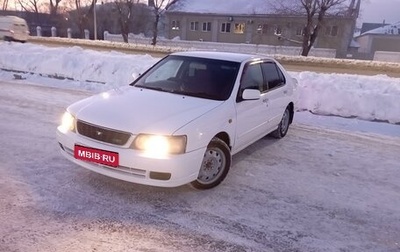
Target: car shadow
(263,143)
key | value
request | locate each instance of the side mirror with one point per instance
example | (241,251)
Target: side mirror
(251,94)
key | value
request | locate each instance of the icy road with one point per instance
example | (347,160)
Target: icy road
(314,190)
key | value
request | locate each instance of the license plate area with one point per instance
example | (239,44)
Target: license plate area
(96,155)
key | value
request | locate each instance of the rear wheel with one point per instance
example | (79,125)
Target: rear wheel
(283,126)
(215,165)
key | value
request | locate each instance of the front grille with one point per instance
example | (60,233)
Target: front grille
(102,134)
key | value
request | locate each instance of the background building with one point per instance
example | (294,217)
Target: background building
(255,22)
(385,38)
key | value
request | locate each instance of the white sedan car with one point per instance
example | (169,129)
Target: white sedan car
(182,120)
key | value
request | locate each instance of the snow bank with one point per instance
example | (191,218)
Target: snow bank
(366,97)
(73,62)
(377,66)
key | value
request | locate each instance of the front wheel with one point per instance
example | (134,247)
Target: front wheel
(215,165)
(283,126)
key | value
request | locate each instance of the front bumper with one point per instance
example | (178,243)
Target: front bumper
(134,166)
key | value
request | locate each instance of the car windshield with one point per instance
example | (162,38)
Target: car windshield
(191,76)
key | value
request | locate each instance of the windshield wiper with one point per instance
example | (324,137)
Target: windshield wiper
(202,95)
(173,91)
(152,88)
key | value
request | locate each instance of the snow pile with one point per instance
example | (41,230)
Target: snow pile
(365,97)
(165,46)
(73,63)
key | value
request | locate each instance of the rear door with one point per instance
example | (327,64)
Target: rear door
(276,92)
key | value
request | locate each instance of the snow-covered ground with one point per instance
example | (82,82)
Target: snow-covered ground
(330,185)
(315,190)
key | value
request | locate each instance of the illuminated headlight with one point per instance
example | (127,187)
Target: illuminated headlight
(67,123)
(158,146)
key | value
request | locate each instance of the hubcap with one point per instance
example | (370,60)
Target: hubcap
(213,162)
(285,122)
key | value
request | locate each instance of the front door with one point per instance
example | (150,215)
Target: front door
(252,115)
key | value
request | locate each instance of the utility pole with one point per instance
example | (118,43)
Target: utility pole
(95,20)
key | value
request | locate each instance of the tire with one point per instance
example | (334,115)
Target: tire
(283,126)
(215,165)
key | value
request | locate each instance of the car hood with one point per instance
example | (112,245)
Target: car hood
(138,110)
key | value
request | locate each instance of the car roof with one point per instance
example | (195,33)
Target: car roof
(229,56)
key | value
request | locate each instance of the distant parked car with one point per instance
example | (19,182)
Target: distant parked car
(13,28)
(182,120)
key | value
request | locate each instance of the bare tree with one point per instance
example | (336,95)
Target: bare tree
(30,5)
(125,8)
(4,5)
(315,12)
(159,6)
(54,6)
(82,14)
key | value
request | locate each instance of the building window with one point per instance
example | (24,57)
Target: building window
(226,27)
(175,25)
(262,29)
(239,28)
(332,30)
(259,29)
(206,26)
(278,30)
(300,31)
(194,26)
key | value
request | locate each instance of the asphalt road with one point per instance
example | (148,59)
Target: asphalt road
(314,190)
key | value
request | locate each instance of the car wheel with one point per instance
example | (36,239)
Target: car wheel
(283,126)
(215,165)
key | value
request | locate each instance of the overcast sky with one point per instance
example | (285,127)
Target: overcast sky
(375,11)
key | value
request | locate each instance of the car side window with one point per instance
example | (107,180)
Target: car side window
(274,78)
(252,78)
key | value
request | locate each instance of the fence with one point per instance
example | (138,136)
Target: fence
(387,56)
(229,47)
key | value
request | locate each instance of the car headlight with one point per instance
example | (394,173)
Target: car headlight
(158,146)
(67,123)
